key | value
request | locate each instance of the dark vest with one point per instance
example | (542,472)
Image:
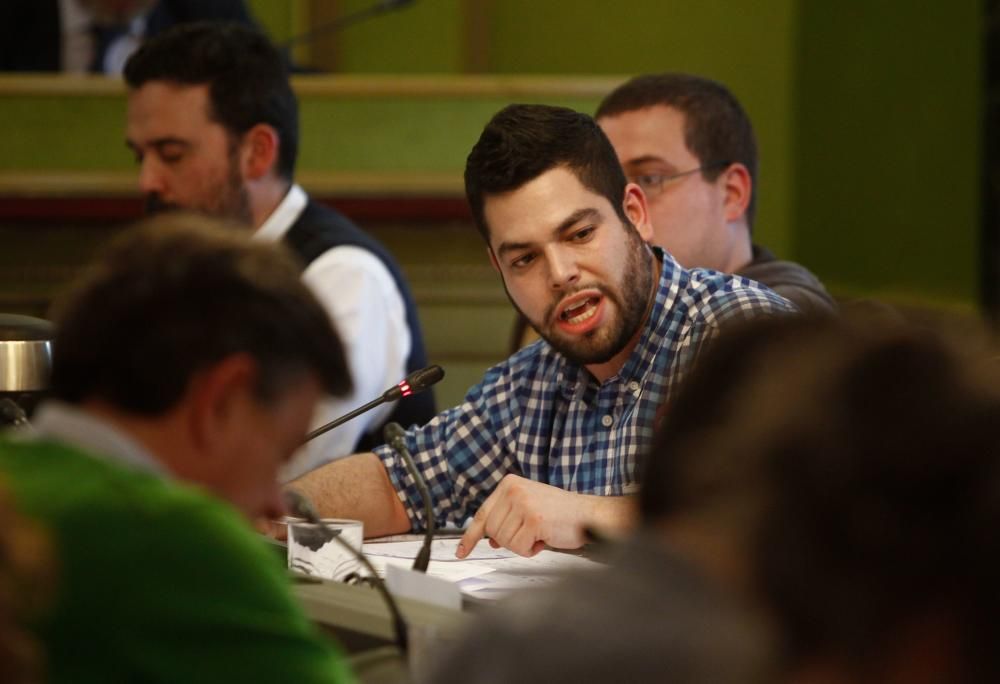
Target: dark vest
(319,229)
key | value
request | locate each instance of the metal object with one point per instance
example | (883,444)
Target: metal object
(25,353)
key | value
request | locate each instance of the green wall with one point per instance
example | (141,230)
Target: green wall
(888,147)
(425,37)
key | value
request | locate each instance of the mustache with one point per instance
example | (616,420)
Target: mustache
(156,205)
(550,312)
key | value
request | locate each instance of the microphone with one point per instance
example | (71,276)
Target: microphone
(394,438)
(345,21)
(415,382)
(300,506)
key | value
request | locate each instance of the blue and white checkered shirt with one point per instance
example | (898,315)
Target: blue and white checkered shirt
(540,416)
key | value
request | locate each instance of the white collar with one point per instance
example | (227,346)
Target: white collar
(282,218)
(66,423)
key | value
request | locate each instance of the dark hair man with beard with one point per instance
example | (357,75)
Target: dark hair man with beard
(213,123)
(547,442)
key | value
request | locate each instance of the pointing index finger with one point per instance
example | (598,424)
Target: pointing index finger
(471,537)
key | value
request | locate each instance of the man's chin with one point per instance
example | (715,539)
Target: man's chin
(585,350)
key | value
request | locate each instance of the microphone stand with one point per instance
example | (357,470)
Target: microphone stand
(394,438)
(298,504)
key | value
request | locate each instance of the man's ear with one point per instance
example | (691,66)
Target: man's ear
(637,211)
(738,186)
(260,151)
(219,396)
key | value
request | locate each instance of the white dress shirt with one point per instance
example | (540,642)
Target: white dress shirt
(367,310)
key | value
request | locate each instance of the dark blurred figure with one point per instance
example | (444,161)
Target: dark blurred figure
(96,36)
(186,364)
(849,478)
(26,589)
(838,481)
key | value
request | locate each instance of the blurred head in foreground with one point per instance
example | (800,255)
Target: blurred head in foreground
(204,346)
(848,478)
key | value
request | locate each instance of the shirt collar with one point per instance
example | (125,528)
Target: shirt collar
(65,423)
(282,218)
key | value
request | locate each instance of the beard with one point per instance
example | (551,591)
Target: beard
(230,200)
(631,298)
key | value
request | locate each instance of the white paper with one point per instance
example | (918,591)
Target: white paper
(442,550)
(486,573)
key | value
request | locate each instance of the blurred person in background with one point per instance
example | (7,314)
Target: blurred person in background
(205,140)
(95,36)
(689,144)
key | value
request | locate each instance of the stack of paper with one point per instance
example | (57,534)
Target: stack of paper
(485,573)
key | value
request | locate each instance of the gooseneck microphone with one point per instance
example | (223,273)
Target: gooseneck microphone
(394,437)
(299,506)
(415,382)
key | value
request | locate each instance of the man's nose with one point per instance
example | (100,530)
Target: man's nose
(151,177)
(564,270)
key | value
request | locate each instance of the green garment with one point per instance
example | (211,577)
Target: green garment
(158,582)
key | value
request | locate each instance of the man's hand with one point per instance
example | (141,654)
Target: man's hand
(525,516)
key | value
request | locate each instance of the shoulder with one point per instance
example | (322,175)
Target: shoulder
(714,297)
(316,215)
(529,369)
(791,280)
(101,513)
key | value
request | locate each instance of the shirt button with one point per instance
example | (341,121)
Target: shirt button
(607,421)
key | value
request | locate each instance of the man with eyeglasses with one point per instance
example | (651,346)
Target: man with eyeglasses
(687,142)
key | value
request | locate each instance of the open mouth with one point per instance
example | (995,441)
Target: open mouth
(581,311)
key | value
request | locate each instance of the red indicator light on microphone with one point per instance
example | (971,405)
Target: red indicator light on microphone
(405,388)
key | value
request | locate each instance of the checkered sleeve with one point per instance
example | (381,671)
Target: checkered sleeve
(719,302)
(462,453)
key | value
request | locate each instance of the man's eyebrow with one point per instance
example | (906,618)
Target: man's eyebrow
(585,214)
(157,143)
(646,159)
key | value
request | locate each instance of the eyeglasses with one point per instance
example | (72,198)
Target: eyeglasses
(653,183)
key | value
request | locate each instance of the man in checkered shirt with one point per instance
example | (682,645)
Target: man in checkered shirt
(547,443)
